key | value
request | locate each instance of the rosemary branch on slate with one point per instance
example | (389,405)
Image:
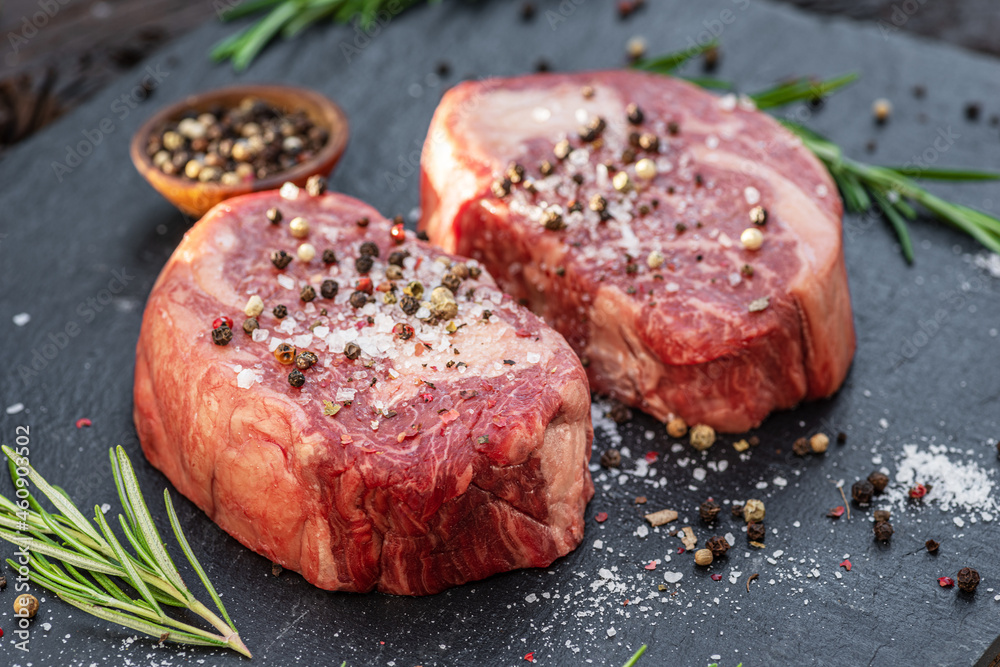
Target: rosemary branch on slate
(892,191)
(288,18)
(68,537)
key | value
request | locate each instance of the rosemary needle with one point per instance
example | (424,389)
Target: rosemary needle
(68,537)
(635,657)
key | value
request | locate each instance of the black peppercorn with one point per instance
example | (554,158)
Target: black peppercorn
(801,447)
(329,256)
(861,491)
(362,222)
(308,293)
(932,546)
(296,378)
(598,203)
(514,173)
(363,264)
(305,360)
(352,351)
(368,248)
(635,115)
(968,579)
(717,545)
(649,142)
(451,281)
(611,458)
(358,299)
(883,531)
(546,168)
(737,511)
(475,272)
(673,128)
(280,311)
(316,185)
(709,510)
(755,531)
(280,259)
(274,215)
(329,288)
(553,221)
(250,325)
(221,335)
(881,515)
(592,130)
(422,235)
(619,413)
(841,438)
(409,304)
(396,257)
(879,481)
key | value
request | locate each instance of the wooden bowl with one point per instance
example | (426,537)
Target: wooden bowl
(196,198)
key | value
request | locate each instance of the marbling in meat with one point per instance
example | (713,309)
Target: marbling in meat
(613,204)
(441,432)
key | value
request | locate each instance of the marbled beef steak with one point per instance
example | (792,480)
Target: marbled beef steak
(440,434)
(613,204)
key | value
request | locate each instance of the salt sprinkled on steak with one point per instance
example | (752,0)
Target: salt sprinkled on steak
(368,434)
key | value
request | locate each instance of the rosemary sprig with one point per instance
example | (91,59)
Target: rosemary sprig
(891,191)
(635,657)
(70,538)
(288,18)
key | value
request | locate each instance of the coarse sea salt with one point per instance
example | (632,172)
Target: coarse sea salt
(954,485)
(21,319)
(245,378)
(286,281)
(534,357)
(14,409)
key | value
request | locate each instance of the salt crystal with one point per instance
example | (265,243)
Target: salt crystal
(540,114)
(423,313)
(780,481)
(712,142)
(534,357)
(344,394)
(752,195)
(727,102)
(302,341)
(286,281)
(672,577)
(605,573)
(289,191)
(612,632)
(14,409)
(245,378)
(104,508)
(958,521)
(699,474)
(321,332)
(531,597)
(21,319)
(642,531)
(672,287)
(260,335)
(598,544)
(730,538)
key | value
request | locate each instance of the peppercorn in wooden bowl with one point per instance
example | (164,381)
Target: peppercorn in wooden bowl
(178,149)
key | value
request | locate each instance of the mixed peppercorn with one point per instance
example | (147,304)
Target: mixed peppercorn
(252,140)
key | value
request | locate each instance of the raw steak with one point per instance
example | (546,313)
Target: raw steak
(621,226)
(422,451)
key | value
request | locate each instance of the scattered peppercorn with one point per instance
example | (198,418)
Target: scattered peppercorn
(755,531)
(403,331)
(718,546)
(362,222)
(368,248)
(315,185)
(451,281)
(284,353)
(307,293)
(619,413)
(861,492)
(881,109)
(677,427)
(758,215)
(879,480)
(736,511)
(221,335)
(352,351)
(881,515)
(299,227)
(296,378)
(611,458)
(800,447)
(552,220)
(305,360)
(972,110)
(703,557)
(753,511)
(358,299)
(883,531)
(634,113)
(274,215)
(363,264)
(710,59)
(329,288)
(702,436)
(968,579)
(932,546)
(280,311)
(280,259)
(562,149)
(250,325)
(25,606)
(409,304)
(649,142)
(592,130)
(918,491)
(396,257)
(709,511)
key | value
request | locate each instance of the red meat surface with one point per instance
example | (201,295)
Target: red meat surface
(453,454)
(667,309)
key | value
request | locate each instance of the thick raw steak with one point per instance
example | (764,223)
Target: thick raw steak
(460,447)
(656,293)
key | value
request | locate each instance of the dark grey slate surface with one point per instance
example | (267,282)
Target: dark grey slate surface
(64,242)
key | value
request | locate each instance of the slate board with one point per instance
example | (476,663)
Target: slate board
(64,242)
